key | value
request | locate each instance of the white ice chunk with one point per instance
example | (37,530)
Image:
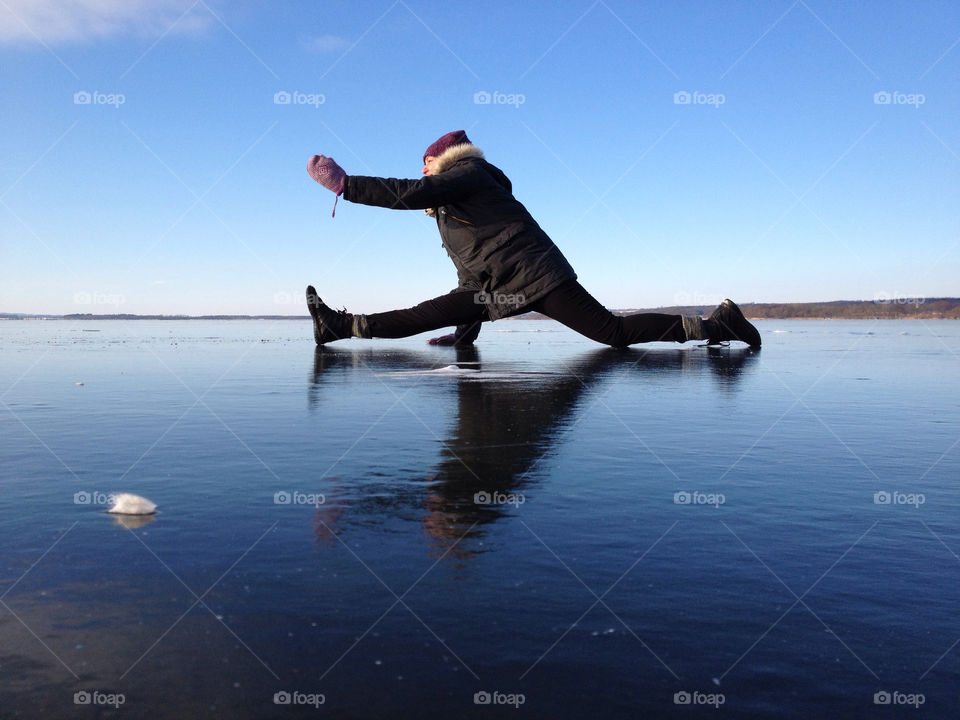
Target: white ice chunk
(130,504)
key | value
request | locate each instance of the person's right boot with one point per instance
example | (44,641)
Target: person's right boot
(725,323)
(728,323)
(328,324)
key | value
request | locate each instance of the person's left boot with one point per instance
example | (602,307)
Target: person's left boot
(445,340)
(328,324)
(463,337)
(728,323)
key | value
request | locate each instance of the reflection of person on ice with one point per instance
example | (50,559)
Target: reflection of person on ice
(505,262)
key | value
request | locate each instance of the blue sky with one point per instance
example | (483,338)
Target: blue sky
(677,152)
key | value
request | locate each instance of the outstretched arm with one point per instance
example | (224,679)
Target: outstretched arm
(426,192)
(396,194)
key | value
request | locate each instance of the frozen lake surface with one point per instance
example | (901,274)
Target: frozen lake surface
(400,530)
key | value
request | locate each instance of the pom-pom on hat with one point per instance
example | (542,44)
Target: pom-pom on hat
(457,137)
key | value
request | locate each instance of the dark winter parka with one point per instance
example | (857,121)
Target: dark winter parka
(494,242)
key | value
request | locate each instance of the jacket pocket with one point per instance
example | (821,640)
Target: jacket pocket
(493,245)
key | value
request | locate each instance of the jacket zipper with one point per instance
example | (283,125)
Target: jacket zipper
(465,222)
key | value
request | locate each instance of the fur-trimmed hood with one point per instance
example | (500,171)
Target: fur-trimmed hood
(454,153)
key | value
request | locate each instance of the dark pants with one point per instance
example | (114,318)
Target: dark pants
(568,303)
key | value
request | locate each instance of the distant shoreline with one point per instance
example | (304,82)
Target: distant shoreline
(887,309)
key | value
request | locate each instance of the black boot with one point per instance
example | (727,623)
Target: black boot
(728,323)
(328,325)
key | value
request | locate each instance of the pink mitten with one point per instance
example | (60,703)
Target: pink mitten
(326,172)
